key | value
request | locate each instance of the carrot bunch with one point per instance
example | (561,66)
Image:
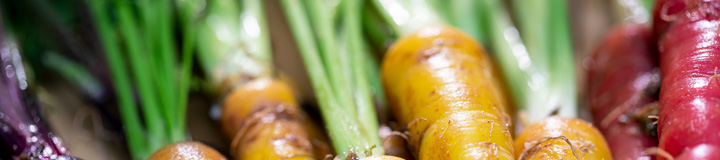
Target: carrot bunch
(139,44)
(438,75)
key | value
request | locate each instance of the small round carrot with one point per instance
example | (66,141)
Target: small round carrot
(186,150)
(440,84)
(561,138)
(264,122)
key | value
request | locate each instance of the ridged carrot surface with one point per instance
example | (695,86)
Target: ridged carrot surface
(440,84)
(561,138)
(264,122)
(689,45)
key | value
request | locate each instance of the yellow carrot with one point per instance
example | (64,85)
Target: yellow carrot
(264,122)
(186,150)
(561,138)
(440,84)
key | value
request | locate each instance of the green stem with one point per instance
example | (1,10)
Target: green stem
(139,66)
(373,73)
(533,25)
(510,54)
(544,27)
(465,16)
(378,35)
(335,63)
(344,133)
(188,46)
(363,99)
(134,132)
(167,66)
(254,18)
(405,17)
(562,62)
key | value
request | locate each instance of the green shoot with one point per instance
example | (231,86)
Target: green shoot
(143,38)
(336,65)
(545,29)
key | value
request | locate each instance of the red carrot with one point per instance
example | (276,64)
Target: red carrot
(689,47)
(701,152)
(619,76)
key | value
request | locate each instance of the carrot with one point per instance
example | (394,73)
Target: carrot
(689,58)
(439,83)
(561,138)
(264,122)
(260,115)
(619,76)
(382,158)
(186,150)
(701,152)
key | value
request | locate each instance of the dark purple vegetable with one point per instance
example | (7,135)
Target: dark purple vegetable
(22,133)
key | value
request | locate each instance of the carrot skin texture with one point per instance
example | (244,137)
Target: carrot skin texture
(382,157)
(186,150)
(701,152)
(620,69)
(439,83)
(586,139)
(689,58)
(264,122)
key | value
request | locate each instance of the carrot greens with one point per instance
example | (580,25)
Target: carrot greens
(139,43)
(337,60)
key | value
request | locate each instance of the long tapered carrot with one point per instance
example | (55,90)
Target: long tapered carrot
(687,34)
(439,84)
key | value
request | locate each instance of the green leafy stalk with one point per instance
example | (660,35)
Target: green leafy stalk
(372,72)
(188,11)
(510,54)
(167,64)
(143,78)
(648,4)
(404,16)
(467,17)
(256,32)
(148,43)
(234,42)
(350,118)
(545,29)
(324,30)
(355,47)
(635,11)
(130,117)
